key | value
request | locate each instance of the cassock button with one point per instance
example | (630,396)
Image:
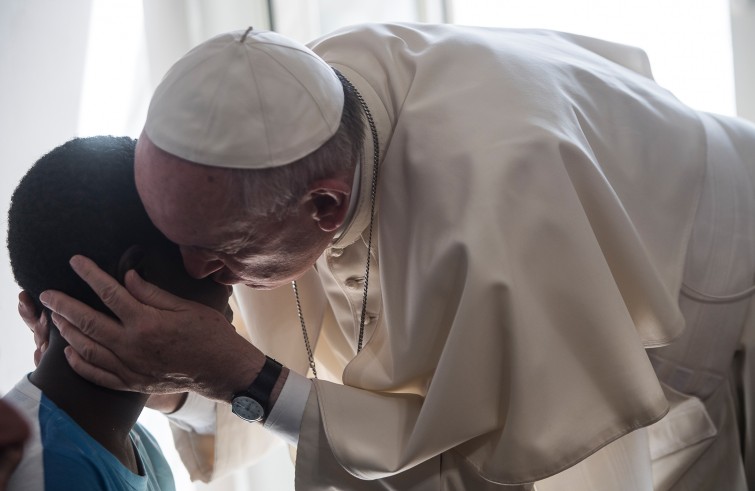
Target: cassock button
(354,282)
(336,252)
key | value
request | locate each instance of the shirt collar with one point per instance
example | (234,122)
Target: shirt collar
(358,217)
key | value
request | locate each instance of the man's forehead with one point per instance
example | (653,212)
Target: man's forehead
(186,201)
(153,160)
(164,170)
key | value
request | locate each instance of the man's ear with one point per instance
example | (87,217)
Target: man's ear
(327,201)
(133,258)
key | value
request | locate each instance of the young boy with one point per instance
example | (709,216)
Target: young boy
(81,199)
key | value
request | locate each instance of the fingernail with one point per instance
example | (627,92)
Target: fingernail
(55,319)
(43,348)
(44,297)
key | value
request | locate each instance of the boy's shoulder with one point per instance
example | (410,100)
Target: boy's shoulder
(60,455)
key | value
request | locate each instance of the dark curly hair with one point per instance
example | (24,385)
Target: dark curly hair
(80,198)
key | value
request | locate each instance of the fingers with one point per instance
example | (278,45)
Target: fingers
(149,294)
(112,294)
(36,322)
(27,310)
(93,324)
(41,330)
(41,338)
(93,373)
(87,350)
(38,354)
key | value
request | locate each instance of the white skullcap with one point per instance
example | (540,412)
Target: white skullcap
(248,100)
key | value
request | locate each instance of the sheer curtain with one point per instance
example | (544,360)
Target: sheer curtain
(85,67)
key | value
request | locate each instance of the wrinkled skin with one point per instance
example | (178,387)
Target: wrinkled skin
(165,403)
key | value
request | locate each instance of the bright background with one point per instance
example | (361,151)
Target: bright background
(87,67)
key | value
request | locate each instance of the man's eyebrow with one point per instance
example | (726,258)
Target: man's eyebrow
(226,247)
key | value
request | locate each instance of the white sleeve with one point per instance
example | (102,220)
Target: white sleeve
(197,414)
(286,416)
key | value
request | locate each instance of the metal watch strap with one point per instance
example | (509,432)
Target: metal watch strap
(262,386)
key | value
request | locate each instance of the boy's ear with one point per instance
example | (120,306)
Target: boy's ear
(133,258)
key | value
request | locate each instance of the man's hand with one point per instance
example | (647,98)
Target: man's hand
(167,403)
(36,322)
(159,344)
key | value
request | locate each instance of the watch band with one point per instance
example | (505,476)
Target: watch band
(262,386)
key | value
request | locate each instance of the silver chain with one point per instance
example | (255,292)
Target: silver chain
(304,330)
(373,194)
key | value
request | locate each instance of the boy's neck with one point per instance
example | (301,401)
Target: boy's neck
(106,415)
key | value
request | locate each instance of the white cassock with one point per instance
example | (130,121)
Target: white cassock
(541,201)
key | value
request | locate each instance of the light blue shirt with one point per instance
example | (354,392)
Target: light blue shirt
(61,456)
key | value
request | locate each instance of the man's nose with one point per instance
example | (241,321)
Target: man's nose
(200,264)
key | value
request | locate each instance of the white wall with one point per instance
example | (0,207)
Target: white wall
(42,55)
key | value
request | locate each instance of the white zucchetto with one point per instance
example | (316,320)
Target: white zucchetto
(245,99)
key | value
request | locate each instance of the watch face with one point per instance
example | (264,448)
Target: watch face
(247,408)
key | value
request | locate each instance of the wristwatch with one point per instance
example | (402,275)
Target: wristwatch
(253,404)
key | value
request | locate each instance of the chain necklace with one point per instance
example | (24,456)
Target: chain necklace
(373,193)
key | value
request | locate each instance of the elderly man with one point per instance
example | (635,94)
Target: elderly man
(485,230)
